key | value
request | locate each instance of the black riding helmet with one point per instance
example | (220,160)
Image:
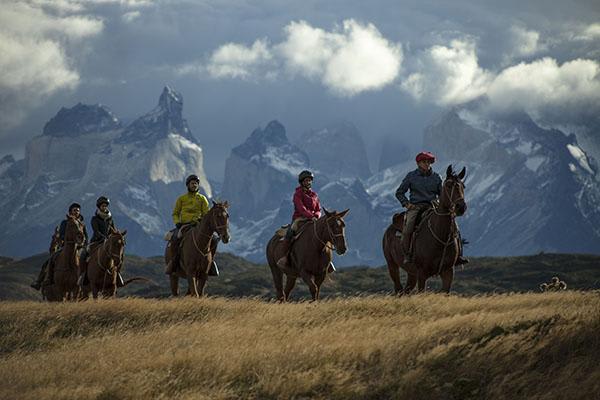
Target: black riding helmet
(191,178)
(305,174)
(74,205)
(102,200)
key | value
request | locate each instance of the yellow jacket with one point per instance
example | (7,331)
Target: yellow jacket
(190,207)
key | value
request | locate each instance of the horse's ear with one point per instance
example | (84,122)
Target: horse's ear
(462,173)
(343,213)
(226,204)
(214,204)
(449,171)
(124,232)
(326,212)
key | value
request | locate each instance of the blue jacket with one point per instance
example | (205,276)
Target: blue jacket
(424,187)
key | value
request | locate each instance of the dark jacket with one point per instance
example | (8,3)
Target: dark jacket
(424,187)
(101,228)
(63,228)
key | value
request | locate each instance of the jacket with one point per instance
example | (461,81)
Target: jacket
(189,207)
(306,204)
(424,187)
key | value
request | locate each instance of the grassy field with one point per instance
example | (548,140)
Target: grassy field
(241,278)
(518,346)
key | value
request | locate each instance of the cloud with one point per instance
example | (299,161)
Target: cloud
(524,42)
(130,16)
(447,75)
(587,33)
(547,90)
(234,60)
(348,61)
(34,60)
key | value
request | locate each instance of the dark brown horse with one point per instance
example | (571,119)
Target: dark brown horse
(66,264)
(198,250)
(106,261)
(436,243)
(310,255)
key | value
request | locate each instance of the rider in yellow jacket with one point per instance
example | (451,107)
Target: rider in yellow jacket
(189,208)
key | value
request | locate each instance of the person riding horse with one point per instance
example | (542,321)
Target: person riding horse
(74,211)
(189,209)
(425,186)
(102,226)
(307,207)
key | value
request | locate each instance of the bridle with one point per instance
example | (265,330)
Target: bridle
(331,243)
(215,229)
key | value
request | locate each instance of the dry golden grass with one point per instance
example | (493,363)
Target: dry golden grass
(533,346)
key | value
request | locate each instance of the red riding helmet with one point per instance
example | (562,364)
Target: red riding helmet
(425,155)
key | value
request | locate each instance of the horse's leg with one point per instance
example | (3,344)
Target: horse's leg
(421,281)
(411,282)
(290,282)
(447,276)
(192,284)
(394,270)
(319,281)
(200,284)
(174,280)
(278,282)
(310,282)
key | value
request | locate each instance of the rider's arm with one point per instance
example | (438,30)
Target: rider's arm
(61,231)
(317,213)
(299,206)
(203,206)
(401,191)
(439,186)
(177,211)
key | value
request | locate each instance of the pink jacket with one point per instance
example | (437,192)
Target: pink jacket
(306,205)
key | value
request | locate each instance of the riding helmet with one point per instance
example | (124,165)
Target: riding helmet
(425,155)
(192,178)
(305,174)
(74,205)
(102,200)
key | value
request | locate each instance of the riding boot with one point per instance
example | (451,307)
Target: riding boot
(408,255)
(214,270)
(283,261)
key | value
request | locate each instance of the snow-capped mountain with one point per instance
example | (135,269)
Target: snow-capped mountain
(83,153)
(349,159)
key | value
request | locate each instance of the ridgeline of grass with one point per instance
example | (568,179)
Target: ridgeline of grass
(533,346)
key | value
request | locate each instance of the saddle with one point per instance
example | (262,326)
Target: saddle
(282,231)
(398,220)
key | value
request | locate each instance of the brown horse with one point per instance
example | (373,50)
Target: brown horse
(436,242)
(310,255)
(66,264)
(106,261)
(198,250)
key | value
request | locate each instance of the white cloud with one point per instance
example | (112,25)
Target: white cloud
(234,60)
(130,16)
(548,90)
(34,61)
(348,61)
(525,42)
(588,33)
(448,75)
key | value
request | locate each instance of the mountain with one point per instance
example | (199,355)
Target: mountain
(85,152)
(394,151)
(528,189)
(349,160)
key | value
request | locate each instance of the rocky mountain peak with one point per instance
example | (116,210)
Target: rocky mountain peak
(81,119)
(170,101)
(272,136)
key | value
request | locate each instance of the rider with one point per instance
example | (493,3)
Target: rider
(102,225)
(306,208)
(189,208)
(74,211)
(425,186)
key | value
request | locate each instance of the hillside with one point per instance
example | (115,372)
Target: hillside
(241,278)
(520,346)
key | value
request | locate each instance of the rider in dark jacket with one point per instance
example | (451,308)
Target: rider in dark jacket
(102,221)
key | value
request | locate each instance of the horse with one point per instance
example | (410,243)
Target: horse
(106,261)
(198,249)
(66,264)
(310,255)
(436,242)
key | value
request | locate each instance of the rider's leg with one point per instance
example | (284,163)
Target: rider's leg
(410,219)
(286,244)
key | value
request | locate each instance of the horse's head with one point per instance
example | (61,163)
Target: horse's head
(335,228)
(219,218)
(453,192)
(116,245)
(74,231)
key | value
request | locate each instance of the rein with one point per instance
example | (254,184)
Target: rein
(330,245)
(206,252)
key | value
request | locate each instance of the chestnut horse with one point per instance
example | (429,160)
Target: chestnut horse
(198,250)
(310,255)
(436,242)
(66,264)
(106,261)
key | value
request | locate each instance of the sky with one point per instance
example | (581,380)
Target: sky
(389,67)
